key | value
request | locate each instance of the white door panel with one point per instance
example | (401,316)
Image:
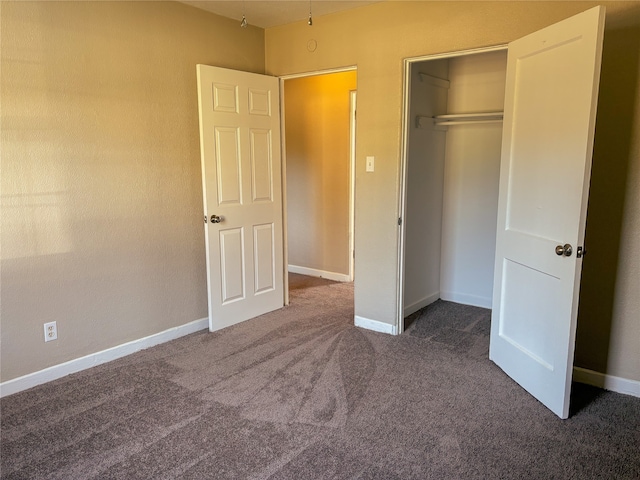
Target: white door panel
(241,170)
(550,103)
(232,265)
(228,178)
(261,166)
(263,243)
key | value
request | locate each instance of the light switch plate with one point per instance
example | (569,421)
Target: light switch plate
(370,164)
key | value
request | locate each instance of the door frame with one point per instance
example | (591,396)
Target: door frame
(404,161)
(353,96)
(352,177)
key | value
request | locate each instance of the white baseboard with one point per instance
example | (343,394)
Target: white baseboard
(423,302)
(313,272)
(608,382)
(72,366)
(375,325)
(465,299)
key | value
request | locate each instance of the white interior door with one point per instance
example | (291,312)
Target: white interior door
(550,106)
(241,175)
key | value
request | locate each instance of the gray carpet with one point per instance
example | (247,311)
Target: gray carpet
(303,394)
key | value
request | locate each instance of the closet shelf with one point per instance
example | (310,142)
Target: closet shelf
(459,119)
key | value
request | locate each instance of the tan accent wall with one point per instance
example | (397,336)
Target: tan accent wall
(317,116)
(101,187)
(377,38)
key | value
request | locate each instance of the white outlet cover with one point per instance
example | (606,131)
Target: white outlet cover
(50,331)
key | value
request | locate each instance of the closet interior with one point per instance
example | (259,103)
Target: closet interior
(452,175)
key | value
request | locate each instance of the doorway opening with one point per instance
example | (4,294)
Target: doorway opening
(319,172)
(449,197)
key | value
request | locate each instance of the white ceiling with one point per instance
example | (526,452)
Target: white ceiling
(270,13)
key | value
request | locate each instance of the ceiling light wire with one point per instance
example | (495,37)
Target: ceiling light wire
(310,21)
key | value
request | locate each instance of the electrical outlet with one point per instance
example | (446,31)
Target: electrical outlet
(50,331)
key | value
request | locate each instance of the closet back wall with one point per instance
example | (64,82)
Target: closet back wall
(471,177)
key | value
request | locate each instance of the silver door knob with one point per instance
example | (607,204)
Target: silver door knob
(216,219)
(565,250)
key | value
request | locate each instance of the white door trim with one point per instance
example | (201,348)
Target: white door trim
(353,94)
(283,171)
(315,73)
(402,201)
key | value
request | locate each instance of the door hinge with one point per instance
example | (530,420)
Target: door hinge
(399,220)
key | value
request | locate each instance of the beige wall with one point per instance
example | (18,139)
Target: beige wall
(101,186)
(377,38)
(318,163)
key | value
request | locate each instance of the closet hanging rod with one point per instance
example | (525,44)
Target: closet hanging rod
(468,122)
(479,116)
(458,119)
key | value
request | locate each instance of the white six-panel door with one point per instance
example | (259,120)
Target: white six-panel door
(549,120)
(241,175)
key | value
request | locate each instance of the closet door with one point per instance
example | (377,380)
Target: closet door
(550,107)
